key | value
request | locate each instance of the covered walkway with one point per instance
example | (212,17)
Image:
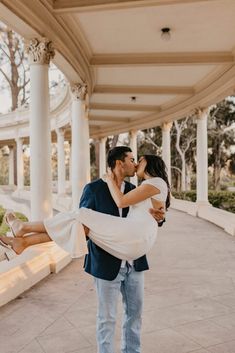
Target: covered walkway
(189,302)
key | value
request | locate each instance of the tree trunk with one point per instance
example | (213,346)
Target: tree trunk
(183,174)
(217,165)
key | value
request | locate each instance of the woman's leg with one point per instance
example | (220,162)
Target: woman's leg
(20,244)
(20,228)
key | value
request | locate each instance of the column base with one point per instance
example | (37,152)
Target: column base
(202,203)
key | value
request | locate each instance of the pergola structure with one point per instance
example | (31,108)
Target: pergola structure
(123,75)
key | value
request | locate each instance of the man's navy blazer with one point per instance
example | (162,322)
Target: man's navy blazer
(98,262)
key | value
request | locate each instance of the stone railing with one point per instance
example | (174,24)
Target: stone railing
(221,218)
(16,124)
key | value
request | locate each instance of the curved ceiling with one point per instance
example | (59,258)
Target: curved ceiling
(117,48)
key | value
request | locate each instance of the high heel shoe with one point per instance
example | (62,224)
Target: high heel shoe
(9,252)
(16,234)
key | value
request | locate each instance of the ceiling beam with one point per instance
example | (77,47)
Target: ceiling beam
(61,6)
(184,58)
(124,107)
(143,89)
(110,119)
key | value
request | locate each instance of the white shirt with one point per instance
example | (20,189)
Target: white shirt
(123,264)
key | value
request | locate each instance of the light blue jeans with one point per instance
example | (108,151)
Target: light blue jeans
(131,285)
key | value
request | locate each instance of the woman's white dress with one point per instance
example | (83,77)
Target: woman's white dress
(125,238)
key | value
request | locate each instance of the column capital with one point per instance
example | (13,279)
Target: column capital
(167,126)
(60,130)
(133,132)
(79,91)
(19,139)
(201,112)
(40,51)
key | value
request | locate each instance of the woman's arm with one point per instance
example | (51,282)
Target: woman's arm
(139,194)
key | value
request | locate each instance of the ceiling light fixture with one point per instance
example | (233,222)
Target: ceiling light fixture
(166,33)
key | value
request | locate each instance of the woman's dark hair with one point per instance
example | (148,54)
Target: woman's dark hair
(117,154)
(156,167)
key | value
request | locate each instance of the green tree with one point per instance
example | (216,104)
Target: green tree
(221,135)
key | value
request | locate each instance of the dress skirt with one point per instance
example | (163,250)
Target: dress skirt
(125,238)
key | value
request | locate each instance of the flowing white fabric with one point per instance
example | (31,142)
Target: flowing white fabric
(125,238)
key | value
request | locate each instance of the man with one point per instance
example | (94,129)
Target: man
(111,274)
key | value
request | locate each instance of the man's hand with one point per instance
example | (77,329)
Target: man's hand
(158,215)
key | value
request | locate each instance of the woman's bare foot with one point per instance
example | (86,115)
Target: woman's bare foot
(16,225)
(17,244)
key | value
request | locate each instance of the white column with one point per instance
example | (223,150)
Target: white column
(166,147)
(79,142)
(20,164)
(133,146)
(202,157)
(40,53)
(102,156)
(87,144)
(11,165)
(60,161)
(70,164)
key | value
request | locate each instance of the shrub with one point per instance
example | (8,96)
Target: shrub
(224,200)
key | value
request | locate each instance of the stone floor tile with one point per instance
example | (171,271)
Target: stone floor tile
(32,347)
(206,333)
(227,299)
(201,351)
(228,347)
(227,321)
(57,326)
(167,341)
(85,350)
(189,312)
(81,317)
(63,342)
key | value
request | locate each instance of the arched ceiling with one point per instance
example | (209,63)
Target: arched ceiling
(117,48)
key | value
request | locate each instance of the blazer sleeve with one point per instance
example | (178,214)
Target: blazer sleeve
(88,198)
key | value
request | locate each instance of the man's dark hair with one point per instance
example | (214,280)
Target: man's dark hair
(117,154)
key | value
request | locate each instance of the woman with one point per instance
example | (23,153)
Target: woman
(125,238)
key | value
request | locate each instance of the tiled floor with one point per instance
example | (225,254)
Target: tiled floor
(189,299)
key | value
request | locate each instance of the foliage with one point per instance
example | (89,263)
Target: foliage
(221,136)
(224,200)
(150,141)
(3,226)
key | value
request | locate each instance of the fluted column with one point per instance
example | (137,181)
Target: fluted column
(11,165)
(102,156)
(20,164)
(40,52)
(202,157)
(133,146)
(60,161)
(79,142)
(166,147)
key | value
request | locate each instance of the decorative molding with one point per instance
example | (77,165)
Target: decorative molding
(144,89)
(125,107)
(64,6)
(108,119)
(40,51)
(189,58)
(79,91)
